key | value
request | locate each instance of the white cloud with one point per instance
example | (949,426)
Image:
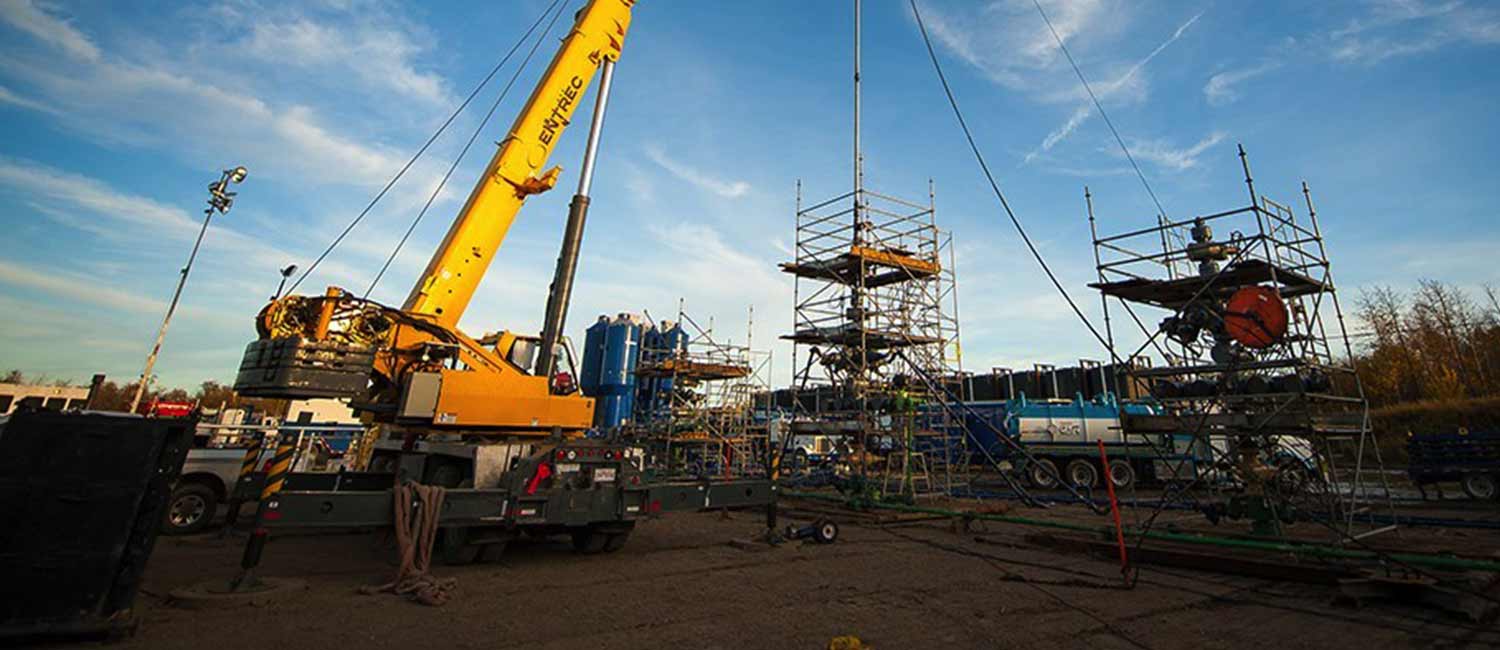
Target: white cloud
(1164,154)
(1130,79)
(42,22)
(724,188)
(376,55)
(1220,89)
(78,191)
(1008,42)
(88,204)
(77,288)
(1396,28)
(8,97)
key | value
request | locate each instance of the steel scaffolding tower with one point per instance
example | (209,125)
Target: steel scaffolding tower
(1256,374)
(874,325)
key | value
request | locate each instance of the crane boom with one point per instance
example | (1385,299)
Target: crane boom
(515,172)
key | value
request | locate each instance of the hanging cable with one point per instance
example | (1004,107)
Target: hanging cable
(557,4)
(407,167)
(1100,107)
(984,167)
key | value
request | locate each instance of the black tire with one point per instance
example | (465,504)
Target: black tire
(616,541)
(384,464)
(190,509)
(589,541)
(1121,473)
(492,552)
(1082,473)
(454,548)
(825,531)
(1043,473)
(448,475)
(1480,486)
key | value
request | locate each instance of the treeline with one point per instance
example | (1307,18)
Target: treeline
(117,397)
(1436,343)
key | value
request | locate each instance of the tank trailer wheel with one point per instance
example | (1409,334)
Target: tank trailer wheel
(1043,473)
(1480,486)
(1121,474)
(1082,473)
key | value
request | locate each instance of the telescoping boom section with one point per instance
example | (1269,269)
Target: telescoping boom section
(412,365)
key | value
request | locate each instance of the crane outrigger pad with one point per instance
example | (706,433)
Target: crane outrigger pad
(296,368)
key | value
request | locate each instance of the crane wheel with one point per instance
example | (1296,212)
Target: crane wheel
(453,544)
(589,541)
(616,541)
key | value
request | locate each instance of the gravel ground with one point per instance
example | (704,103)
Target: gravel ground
(680,583)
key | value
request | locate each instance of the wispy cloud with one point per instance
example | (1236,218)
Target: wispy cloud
(728,189)
(1128,79)
(91,205)
(42,21)
(77,288)
(157,99)
(1397,28)
(1166,155)
(375,54)
(1008,43)
(1220,89)
(8,97)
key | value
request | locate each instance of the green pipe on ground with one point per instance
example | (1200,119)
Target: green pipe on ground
(1416,559)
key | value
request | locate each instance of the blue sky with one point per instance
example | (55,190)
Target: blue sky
(115,116)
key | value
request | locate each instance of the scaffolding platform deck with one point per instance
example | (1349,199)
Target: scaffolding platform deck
(851,335)
(900,266)
(1176,293)
(1298,424)
(694,369)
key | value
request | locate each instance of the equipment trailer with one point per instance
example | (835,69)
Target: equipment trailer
(590,490)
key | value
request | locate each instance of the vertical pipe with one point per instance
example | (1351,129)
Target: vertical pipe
(859,174)
(567,258)
(1109,332)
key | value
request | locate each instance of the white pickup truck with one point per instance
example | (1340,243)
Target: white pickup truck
(208,478)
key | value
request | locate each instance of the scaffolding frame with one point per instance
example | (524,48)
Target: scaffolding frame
(874,312)
(708,427)
(1247,399)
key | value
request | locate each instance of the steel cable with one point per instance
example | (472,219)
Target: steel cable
(412,161)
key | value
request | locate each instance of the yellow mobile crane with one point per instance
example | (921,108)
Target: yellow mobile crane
(487,418)
(412,365)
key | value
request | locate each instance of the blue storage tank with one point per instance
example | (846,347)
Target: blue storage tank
(593,356)
(611,352)
(675,337)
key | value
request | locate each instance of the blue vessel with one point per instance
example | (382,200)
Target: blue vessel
(612,348)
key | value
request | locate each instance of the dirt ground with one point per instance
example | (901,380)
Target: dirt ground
(680,583)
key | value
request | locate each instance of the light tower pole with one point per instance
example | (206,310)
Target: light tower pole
(219,200)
